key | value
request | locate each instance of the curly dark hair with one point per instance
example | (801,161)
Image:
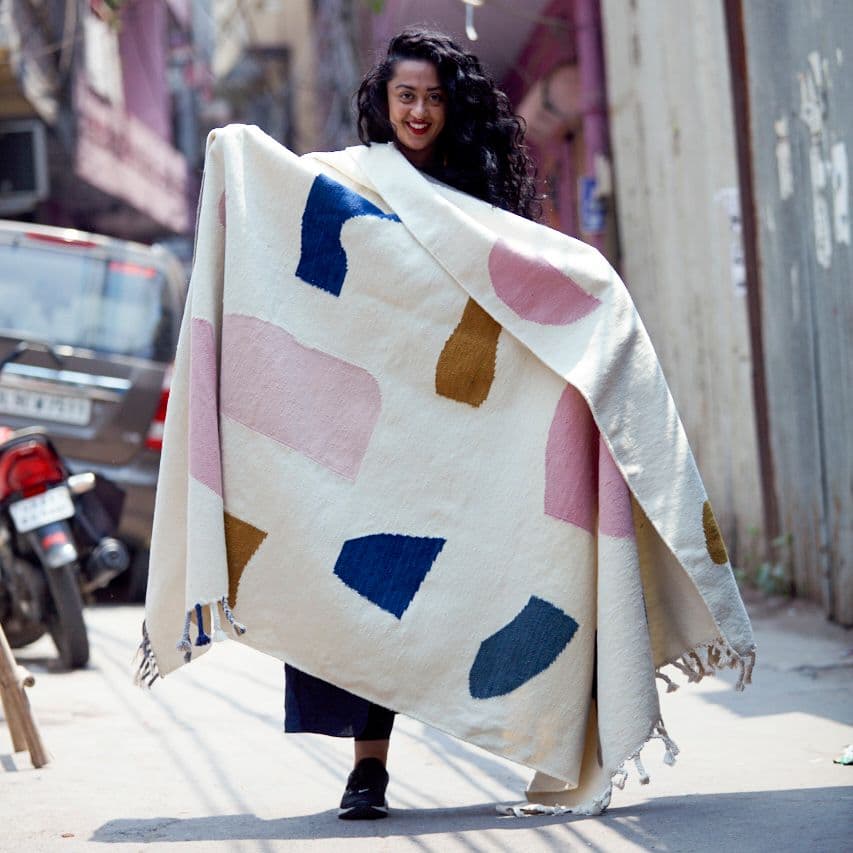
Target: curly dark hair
(481,149)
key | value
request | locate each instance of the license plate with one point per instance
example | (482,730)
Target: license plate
(52,505)
(49,407)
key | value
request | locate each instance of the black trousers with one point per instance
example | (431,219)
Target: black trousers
(314,705)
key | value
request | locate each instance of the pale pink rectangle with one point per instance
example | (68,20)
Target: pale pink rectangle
(313,402)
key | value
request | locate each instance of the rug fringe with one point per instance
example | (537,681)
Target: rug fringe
(239,627)
(147,672)
(707,659)
(599,804)
(696,663)
(185,644)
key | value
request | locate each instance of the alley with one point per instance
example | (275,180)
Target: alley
(199,763)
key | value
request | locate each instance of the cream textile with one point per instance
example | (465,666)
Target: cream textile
(399,433)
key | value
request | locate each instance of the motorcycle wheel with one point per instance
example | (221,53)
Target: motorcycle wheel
(24,623)
(23,637)
(66,624)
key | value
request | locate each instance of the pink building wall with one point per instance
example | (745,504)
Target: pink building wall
(143,45)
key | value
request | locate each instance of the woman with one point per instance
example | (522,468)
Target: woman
(446,116)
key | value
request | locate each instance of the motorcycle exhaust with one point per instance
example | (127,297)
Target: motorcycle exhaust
(108,559)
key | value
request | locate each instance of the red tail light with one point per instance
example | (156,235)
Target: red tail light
(29,468)
(127,268)
(67,240)
(154,439)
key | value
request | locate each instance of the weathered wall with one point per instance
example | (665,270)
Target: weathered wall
(799,86)
(244,26)
(676,177)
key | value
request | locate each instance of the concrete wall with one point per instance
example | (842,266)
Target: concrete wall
(798,107)
(676,185)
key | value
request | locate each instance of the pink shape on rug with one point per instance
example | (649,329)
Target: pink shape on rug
(205,461)
(537,290)
(313,402)
(571,462)
(615,517)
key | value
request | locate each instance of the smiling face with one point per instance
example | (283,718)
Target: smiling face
(416,108)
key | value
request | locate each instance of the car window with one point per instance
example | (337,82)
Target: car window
(67,297)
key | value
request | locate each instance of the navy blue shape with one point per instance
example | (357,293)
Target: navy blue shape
(524,647)
(323,261)
(387,568)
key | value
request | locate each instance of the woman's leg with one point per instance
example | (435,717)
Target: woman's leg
(371,749)
(373,740)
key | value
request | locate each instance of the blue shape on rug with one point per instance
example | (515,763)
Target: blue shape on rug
(524,647)
(323,261)
(387,568)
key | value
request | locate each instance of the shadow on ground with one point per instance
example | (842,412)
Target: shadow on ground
(815,819)
(823,691)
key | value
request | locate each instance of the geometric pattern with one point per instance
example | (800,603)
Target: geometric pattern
(713,537)
(323,261)
(466,366)
(572,462)
(387,568)
(524,647)
(205,465)
(537,290)
(241,541)
(319,405)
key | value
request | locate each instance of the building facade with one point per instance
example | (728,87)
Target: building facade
(99,106)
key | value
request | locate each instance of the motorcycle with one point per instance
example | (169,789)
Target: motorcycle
(55,543)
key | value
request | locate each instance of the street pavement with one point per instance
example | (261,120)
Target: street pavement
(200,762)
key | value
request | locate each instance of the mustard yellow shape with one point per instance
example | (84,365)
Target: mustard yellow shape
(713,537)
(241,541)
(466,367)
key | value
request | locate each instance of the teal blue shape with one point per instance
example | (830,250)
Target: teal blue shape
(523,648)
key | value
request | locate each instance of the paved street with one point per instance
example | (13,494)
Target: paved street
(200,764)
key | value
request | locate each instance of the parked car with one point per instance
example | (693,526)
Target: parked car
(97,319)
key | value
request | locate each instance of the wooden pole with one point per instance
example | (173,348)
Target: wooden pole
(16,706)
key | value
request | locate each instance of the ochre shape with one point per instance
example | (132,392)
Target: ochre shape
(537,290)
(571,462)
(322,260)
(221,210)
(387,568)
(523,648)
(313,402)
(713,538)
(615,514)
(241,541)
(205,462)
(466,366)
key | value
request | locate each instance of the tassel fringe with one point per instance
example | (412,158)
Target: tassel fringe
(202,639)
(696,664)
(185,644)
(147,672)
(706,660)
(239,627)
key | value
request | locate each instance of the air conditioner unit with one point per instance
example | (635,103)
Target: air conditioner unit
(23,165)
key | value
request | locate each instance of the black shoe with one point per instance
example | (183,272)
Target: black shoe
(364,798)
